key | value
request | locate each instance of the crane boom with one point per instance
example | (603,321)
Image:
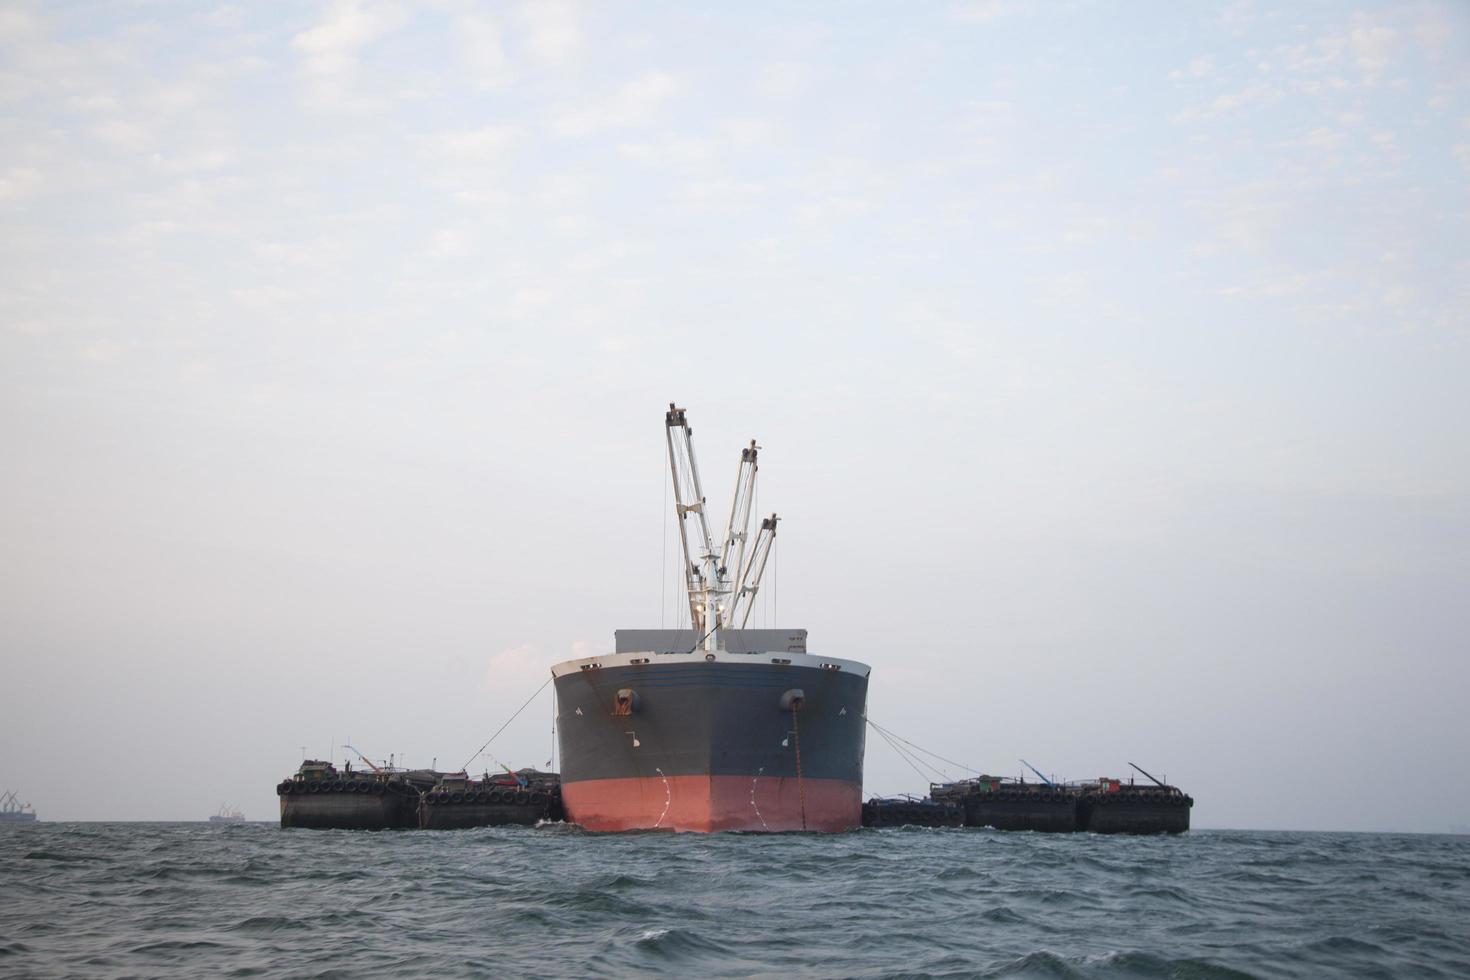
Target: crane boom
(1038,774)
(1148,774)
(738,527)
(750,576)
(721,585)
(364,758)
(701,570)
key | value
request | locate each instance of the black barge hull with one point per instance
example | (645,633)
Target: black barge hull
(1123,813)
(356,805)
(487,807)
(1048,812)
(912,813)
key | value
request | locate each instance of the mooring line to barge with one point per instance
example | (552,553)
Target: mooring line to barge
(890,733)
(909,758)
(466,766)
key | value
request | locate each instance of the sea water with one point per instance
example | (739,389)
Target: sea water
(189,900)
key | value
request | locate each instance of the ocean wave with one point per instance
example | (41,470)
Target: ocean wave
(179,901)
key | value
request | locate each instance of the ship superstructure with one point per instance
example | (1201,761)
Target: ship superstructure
(715,727)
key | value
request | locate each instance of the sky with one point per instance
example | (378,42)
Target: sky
(1108,362)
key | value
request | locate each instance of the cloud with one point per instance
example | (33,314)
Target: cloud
(512,670)
(670,151)
(634,104)
(202,160)
(451,243)
(480,145)
(482,53)
(330,49)
(838,188)
(1365,45)
(122,134)
(1199,67)
(315,255)
(18,182)
(784,79)
(1253,95)
(1372,45)
(555,33)
(687,150)
(519,670)
(982,11)
(720,192)
(469,163)
(17,25)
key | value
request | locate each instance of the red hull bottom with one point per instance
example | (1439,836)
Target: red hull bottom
(703,804)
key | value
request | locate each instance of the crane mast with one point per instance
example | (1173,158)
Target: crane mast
(719,583)
(701,569)
(738,525)
(750,579)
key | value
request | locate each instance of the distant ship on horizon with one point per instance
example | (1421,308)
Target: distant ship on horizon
(14,811)
(228,814)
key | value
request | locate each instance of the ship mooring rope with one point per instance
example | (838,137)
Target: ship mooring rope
(881,730)
(466,766)
(800,782)
(912,760)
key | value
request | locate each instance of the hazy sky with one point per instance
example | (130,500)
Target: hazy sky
(1109,362)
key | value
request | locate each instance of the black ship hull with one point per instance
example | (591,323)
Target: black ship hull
(712,741)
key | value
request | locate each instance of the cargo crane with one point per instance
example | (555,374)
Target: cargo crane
(722,583)
(750,581)
(371,765)
(1038,774)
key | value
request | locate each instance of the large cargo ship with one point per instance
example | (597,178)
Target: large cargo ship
(715,726)
(14,811)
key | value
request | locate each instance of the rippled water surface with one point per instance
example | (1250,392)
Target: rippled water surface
(254,900)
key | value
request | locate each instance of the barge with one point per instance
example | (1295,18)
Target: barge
(522,798)
(1101,806)
(1006,804)
(318,796)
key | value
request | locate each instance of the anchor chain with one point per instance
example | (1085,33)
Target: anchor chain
(800,782)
